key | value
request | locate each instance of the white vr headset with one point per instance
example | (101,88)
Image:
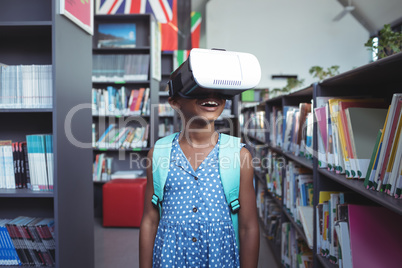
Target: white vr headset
(216,71)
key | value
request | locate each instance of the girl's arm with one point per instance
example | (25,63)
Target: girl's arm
(149,222)
(249,232)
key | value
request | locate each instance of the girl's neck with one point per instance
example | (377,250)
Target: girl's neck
(199,137)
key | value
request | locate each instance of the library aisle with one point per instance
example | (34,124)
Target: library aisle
(118,248)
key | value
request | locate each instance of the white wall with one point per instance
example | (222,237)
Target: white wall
(287,36)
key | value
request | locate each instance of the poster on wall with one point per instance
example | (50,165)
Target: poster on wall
(80,12)
(156,48)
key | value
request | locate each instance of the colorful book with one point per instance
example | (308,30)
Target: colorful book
(375,234)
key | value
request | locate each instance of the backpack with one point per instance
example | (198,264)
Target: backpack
(229,169)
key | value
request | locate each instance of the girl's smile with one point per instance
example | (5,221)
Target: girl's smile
(210,104)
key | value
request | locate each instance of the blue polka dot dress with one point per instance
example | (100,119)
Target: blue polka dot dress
(195,229)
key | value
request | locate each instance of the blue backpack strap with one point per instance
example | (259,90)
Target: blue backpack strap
(160,167)
(229,168)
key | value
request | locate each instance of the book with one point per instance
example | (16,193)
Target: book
(7,175)
(139,100)
(133,103)
(363,126)
(394,113)
(345,256)
(120,35)
(321,136)
(40,158)
(307,221)
(344,162)
(375,234)
(45,228)
(388,179)
(26,178)
(373,158)
(344,104)
(10,256)
(395,172)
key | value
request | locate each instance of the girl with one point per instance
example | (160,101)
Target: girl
(195,229)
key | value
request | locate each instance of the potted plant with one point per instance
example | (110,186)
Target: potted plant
(389,42)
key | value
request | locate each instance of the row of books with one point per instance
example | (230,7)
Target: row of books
(120,102)
(41,161)
(165,128)
(294,250)
(270,215)
(291,129)
(26,86)
(359,137)
(274,174)
(27,241)
(259,153)
(351,234)
(164,109)
(102,168)
(125,137)
(14,165)
(27,164)
(298,197)
(254,124)
(120,68)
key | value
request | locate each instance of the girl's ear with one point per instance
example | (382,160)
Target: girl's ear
(174,103)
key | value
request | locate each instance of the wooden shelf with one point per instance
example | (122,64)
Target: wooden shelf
(253,138)
(276,249)
(325,262)
(135,50)
(297,226)
(122,83)
(308,163)
(122,150)
(28,110)
(380,72)
(24,193)
(25,23)
(124,116)
(358,186)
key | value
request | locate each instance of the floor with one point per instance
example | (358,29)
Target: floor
(118,248)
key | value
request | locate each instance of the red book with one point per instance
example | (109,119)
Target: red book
(139,99)
(375,234)
(361,103)
(134,101)
(390,140)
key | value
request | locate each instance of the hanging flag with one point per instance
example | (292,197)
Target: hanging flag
(179,56)
(162,10)
(195,29)
(120,6)
(169,31)
(168,13)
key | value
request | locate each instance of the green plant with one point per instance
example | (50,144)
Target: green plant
(389,42)
(321,73)
(291,84)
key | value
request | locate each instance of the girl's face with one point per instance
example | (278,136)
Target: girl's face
(196,110)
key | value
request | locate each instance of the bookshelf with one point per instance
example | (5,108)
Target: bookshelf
(254,134)
(142,54)
(376,79)
(33,33)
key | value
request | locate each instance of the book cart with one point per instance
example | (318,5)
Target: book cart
(128,159)
(33,33)
(377,79)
